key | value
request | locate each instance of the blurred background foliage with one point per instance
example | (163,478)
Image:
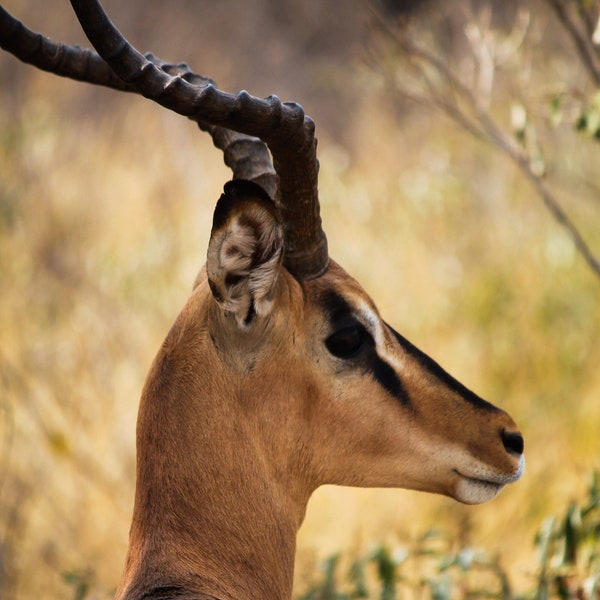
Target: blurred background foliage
(448,132)
(440,567)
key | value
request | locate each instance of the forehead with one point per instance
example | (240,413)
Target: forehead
(336,295)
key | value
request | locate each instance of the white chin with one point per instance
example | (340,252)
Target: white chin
(476,491)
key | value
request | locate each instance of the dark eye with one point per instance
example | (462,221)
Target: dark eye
(346,342)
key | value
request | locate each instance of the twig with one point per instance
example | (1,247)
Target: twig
(580,39)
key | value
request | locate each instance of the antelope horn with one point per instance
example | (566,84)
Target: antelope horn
(61,59)
(247,157)
(282,126)
(285,129)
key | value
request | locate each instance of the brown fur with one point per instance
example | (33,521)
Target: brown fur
(239,424)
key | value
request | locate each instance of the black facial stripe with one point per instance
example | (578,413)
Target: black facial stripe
(389,380)
(442,376)
(340,313)
(336,307)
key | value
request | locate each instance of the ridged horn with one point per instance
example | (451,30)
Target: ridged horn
(237,123)
(285,129)
(248,157)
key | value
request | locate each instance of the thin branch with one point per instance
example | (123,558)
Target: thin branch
(561,216)
(581,40)
(497,137)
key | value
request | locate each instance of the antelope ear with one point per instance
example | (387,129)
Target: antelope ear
(245,251)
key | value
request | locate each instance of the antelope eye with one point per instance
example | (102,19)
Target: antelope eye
(346,342)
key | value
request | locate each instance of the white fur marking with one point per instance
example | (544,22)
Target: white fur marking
(375,326)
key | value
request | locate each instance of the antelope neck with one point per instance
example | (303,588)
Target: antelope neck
(215,515)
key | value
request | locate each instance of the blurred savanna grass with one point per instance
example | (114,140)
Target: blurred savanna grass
(105,209)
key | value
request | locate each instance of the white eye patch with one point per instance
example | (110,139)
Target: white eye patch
(375,327)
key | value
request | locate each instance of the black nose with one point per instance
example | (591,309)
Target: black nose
(513,442)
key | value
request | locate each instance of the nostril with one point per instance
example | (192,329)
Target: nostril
(513,442)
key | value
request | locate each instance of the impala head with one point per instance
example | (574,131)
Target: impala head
(372,408)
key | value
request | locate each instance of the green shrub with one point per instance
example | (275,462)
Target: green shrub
(434,568)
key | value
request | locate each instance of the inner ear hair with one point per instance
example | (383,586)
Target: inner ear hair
(245,251)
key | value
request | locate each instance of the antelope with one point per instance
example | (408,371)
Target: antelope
(279,375)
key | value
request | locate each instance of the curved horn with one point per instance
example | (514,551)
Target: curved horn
(233,121)
(285,129)
(247,156)
(61,59)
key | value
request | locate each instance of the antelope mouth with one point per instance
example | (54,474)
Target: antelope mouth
(482,486)
(476,491)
